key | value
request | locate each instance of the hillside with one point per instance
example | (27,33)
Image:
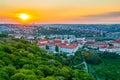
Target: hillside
(21,60)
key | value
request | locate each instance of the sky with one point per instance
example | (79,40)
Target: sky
(61,11)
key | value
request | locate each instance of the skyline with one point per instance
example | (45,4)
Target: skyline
(61,11)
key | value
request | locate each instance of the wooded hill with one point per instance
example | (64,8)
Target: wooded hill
(21,60)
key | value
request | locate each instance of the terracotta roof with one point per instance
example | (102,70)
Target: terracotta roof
(81,42)
(71,46)
(100,43)
(89,43)
(57,40)
(97,44)
(111,47)
(43,39)
(117,41)
(66,41)
(104,46)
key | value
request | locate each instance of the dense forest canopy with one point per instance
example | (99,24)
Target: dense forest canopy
(21,60)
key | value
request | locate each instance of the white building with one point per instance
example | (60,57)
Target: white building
(65,46)
(116,42)
(110,49)
(69,48)
(42,43)
(81,43)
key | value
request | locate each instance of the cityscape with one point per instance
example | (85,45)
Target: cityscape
(47,35)
(60,40)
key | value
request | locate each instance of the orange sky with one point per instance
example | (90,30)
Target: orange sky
(61,11)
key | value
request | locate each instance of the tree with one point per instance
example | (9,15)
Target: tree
(49,78)
(46,70)
(81,75)
(18,76)
(3,35)
(92,58)
(26,61)
(4,75)
(7,49)
(56,48)
(47,47)
(10,70)
(66,72)
(2,63)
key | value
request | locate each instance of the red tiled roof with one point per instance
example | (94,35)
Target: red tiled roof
(66,41)
(104,46)
(111,47)
(117,41)
(57,40)
(43,39)
(80,41)
(71,46)
(100,43)
(97,44)
(41,44)
(51,43)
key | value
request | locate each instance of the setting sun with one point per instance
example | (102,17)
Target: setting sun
(24,16)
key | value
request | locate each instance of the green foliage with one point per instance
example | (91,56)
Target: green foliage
(47,47)
(109,55)
(66,72)
(92,58)
(56,48)
(108,68)
(3,75)
(21,60)
(18,76)
(82,76)
(49,78)
(3,35)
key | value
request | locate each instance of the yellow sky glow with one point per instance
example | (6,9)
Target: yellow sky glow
(60,11)
(24,16)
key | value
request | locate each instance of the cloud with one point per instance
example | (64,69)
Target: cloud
(111,17)
(104,15)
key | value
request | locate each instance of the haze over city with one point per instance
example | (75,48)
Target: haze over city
(60,11)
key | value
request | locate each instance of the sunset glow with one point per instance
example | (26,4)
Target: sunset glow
(24,16)
(62,11)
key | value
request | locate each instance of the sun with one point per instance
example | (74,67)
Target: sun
(24,16)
